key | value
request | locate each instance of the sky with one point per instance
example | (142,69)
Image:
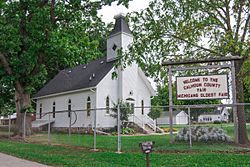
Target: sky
(108,12)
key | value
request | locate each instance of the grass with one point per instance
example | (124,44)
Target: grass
(131,143)
(65,156)
(76,151)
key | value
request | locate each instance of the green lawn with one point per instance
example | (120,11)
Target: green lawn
(65,156)
(76,150)
(131,143)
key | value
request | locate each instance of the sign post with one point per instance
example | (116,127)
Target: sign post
(205,87)
(235,118)
(147,147)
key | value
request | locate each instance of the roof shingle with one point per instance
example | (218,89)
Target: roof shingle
(80,77)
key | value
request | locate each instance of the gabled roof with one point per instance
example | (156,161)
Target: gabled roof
(166,114)
(80,77)
(120,25)
(216,112)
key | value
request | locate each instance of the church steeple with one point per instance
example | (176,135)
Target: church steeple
(119,38)
(120,25)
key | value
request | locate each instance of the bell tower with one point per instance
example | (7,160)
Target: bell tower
(119,38)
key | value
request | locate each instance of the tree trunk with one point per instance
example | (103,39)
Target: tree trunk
(242,130)
(22,99)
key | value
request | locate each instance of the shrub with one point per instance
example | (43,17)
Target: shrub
(203,134)
(124,131)
(114,133)
(217,122)
(125,111)
(127,131)
(155,112)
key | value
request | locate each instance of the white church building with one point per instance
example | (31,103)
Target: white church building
(90,86)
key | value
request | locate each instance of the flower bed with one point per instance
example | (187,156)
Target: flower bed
(166,130)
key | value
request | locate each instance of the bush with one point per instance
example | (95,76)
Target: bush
(110,130)
(114,133)
(203,134)
(124,131)
(155,112)
(125,111)
(127,131)
(217,122)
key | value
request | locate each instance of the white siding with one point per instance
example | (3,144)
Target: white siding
(78,102)
(121,40)
(165,120)
(182,118)
(107,87)
(143,93)
(209,118)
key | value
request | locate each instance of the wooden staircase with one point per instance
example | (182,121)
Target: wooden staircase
(147,124)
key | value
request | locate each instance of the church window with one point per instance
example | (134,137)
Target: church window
(69,108)
(142,107)
(40,110)
(107,105)
(132,107)
(88,106)
(54,109)
(114,47)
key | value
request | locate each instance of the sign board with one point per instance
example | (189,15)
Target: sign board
(202,87)
(147,146)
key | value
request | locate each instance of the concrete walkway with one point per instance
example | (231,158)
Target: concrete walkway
(10,161)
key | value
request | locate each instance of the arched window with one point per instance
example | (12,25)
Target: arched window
(40,110)
(54,109)
(88,106)
(142,107)
(69,107)
(107,105)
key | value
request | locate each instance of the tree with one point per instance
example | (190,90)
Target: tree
(247,100)
(125,112)
(38,38)
(7,104)
(173,30)
(155,112)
